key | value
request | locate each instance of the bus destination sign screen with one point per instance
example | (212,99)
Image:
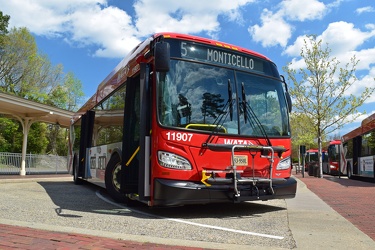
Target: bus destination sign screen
(219,56)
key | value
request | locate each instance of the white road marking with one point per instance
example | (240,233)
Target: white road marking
(189,222)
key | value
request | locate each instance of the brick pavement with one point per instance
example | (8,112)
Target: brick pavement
(352,199)
(15,237)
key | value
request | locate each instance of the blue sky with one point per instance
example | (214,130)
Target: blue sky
(89,37)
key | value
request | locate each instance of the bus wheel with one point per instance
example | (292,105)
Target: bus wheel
(349,171)
(113,178)
(76,179)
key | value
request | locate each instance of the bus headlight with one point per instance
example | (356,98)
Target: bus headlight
(169,160)
(284,164)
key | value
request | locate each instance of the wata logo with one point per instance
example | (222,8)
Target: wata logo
(238,141)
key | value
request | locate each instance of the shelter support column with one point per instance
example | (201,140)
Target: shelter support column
(26,123)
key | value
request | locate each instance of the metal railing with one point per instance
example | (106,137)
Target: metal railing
(10,163)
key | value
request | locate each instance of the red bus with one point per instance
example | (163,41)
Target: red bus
(186,120)
(359,146)
(336,160)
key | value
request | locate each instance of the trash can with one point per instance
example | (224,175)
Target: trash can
(316,171)
(310,169)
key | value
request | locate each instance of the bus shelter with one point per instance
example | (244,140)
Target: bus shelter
(27,112)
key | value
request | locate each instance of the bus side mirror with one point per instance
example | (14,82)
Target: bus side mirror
(162,56)
(289,101)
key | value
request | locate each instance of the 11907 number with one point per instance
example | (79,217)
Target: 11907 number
(177,136)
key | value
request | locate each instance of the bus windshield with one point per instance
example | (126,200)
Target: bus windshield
(205,97)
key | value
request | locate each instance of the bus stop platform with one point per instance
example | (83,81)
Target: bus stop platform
(352,199)
(327,213)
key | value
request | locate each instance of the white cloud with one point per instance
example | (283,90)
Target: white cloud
(267,34)
(109,28)
(80,23)
(185,16)
(295,49)
(113,32)
(343,36)
(366,58)
(366,81)
(275,30)
(303,10)
(364,10)
(343,39)
(44,17)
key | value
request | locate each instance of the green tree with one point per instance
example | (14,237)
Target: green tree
(68,94)
(24,71)
(37,140)
(27,73)
(302,132)
(8,131)
(320,90)
(4,21)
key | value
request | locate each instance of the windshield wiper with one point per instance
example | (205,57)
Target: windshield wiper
(244,101)
(230,101)
(250,116)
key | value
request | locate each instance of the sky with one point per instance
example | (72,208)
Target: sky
(90,37)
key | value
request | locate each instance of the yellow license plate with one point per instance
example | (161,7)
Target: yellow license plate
(241,160)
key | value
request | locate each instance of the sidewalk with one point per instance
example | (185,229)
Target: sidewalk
(352,199)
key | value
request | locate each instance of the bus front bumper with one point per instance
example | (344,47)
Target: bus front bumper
(176,192)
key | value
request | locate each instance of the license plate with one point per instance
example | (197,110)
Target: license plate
(241,160)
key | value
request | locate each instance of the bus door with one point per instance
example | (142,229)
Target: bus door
(87,126)
(131,138)
(144,184)
(357,142)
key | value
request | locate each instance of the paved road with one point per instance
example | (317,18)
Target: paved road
(312,223)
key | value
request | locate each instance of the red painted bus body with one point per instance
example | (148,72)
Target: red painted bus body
(334,153)
(187,120)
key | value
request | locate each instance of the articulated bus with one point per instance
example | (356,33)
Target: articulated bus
(359,145)
(186,120)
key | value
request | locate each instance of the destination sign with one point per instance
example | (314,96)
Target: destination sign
(220,56)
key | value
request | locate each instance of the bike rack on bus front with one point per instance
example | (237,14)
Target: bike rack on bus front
(208,176)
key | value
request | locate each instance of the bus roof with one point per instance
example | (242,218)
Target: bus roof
(354,133)
(368,120)
(130,66)
(211,42)
(367,125)
(335,142)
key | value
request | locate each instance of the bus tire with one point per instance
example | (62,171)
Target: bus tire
(349,171)
(113,178)
(76,179)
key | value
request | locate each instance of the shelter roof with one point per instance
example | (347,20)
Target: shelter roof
(11,105)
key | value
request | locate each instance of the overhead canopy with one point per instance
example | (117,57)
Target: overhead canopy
(22,108)
(28,112)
